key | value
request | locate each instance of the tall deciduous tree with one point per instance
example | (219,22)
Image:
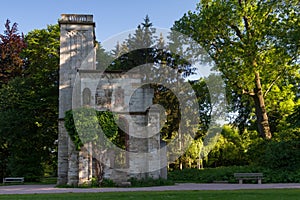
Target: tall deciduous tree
(11,46)
(11,66)
(29,107)
(255,44)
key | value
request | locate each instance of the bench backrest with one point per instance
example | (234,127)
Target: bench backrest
(13,179)
(248,174)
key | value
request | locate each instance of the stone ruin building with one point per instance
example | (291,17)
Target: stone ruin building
(80,84)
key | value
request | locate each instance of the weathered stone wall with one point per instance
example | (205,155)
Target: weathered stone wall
(76,51)
(62,154)
(122,93)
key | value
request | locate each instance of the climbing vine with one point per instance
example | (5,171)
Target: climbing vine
(83,126)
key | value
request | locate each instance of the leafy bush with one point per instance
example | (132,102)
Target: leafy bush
(281,176)
(210,175)
(230,149)
(108,183)
(277,155)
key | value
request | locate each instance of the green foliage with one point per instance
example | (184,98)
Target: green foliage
(192,156)
(70,127)
(137,49)
(230,149)
(244,39)
(11,63)
(108,183)
(204,103)
(104,59)
(294,118)
(107,122)
(83,126)
(278,159)
(29,109)
(210,175)
(277,155)
(281,176)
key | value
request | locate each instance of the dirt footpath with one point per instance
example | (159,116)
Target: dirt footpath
(40,189)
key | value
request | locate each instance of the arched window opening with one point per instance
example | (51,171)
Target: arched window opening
(86,97)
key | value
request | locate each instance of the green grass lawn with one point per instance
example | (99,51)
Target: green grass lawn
(281,194)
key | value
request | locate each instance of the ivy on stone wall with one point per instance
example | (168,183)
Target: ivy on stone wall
(71,129)
(84,125)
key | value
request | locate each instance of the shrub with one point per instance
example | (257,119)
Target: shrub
(277,155)
(210,175)
(108,183)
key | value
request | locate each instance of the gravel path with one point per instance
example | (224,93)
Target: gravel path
(40,189)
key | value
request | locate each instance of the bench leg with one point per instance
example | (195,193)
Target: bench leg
(240,181)
(259,181)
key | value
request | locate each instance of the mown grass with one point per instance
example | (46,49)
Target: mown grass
(270,194)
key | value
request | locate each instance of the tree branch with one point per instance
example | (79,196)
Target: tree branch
(250,93)
(237,31)
(273,82)
(240,3)
(246,23)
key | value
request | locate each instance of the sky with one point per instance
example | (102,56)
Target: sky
(111,16)
(114,19)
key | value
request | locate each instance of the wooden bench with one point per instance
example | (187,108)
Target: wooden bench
(125,184)
(13,180)
(249,176)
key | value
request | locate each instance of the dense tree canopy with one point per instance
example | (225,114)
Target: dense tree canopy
(255,44)
(29,107)
(11,46)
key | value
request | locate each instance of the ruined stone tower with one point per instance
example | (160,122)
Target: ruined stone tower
(117,92)
(76,41)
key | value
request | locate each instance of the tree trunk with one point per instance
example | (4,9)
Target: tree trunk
(260,110)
